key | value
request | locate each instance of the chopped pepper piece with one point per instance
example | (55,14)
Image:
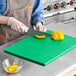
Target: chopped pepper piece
(40,36)
(12,68)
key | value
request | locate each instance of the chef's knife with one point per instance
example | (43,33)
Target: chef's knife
(35,32)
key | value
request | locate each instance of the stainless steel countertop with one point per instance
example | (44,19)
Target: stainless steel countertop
(57,66)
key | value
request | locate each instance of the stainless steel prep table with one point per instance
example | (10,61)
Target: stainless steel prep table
(32,69)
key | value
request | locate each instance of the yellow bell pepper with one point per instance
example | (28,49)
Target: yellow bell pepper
(57,35)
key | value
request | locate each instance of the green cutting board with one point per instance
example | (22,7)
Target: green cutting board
(41,51)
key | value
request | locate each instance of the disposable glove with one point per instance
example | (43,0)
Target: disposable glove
(40,27)
(17,25)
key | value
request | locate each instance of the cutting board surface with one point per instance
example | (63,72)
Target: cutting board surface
(41,51)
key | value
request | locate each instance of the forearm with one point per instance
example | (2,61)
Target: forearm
(4,19)
(13,23)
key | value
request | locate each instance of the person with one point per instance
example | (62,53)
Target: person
(18,15)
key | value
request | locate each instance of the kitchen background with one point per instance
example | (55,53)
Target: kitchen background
(59,11)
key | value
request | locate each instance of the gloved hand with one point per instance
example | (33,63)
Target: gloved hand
(40,27)
(17,25)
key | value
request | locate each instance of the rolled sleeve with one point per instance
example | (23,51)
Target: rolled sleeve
(37,14)
(3,7)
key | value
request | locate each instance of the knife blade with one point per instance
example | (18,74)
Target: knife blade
(36,32)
